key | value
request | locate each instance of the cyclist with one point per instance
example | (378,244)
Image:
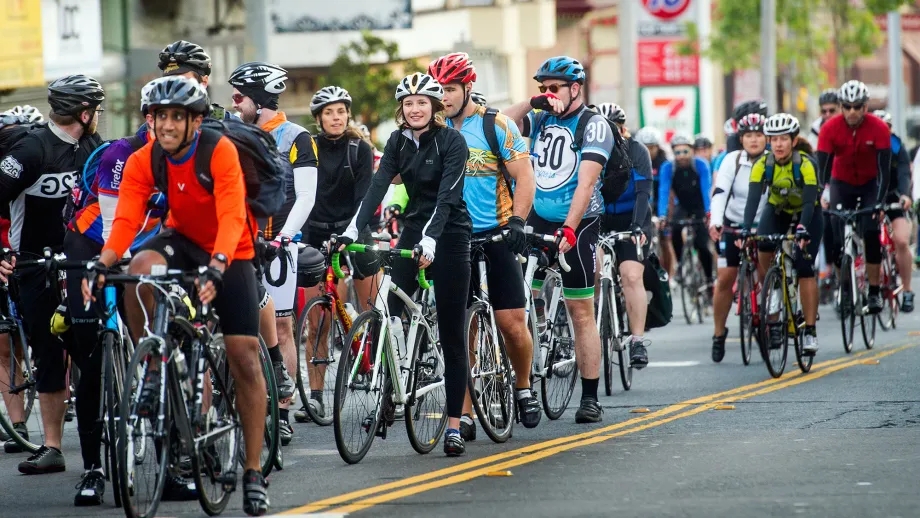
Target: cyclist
(187,59)
(745,108)
(702,148)
(854,152)
(431,160)
(830,106)
(789,200)
(568,201)
(899,189)
(688,177)
(257,87)
(727,214)
(343,177)
(38,174)
(651,138)
(202,229)
(632,212)
(730,128)
(492,208)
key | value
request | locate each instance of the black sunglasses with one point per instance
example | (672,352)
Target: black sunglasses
(853,107)
(830,111)
(554,88)
(178,57)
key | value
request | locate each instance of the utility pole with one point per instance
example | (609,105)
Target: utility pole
(768,54)
(629,68)
(895,74)
(257,30)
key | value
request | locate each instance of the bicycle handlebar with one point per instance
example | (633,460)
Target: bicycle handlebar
(550,239)
(361,249)
(627,236)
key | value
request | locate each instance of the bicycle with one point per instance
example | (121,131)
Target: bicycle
(693,288)
(780,313)
(612,317)
(747,307)
(554,346)
(889,279)
(377,365)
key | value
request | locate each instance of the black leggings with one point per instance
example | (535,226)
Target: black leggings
(700,240)
(772,222)
(846,195)
(450,273)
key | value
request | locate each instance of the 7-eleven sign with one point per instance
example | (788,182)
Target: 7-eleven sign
(670,109)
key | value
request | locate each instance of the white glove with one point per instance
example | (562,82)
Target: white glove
(428,245)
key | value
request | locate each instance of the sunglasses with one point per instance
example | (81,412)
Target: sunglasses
(178,57)
(852,107)
(830,111)
(681,152)
(238,98)
(554,88)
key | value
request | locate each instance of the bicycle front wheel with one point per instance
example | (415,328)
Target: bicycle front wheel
(491,378)
(688,291)
(889,285)
(558,381)
(426,403)
(746,311)
(774,322)
(111,369)
(845,299)
(358,396)
(320,335)
(19,392)
(272,441)
(605,328)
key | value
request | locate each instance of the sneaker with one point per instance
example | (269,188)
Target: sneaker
(285,432)
(178,489)
(529,410)
(589,411)
(776,336)
(874,306)
(638,356)
(718,346)
(285,383)
(301,416)
(907,303)
(11,446)
(467,427)
(255,493)
(150,393)
(90,489)
(453,443)
(317,407)
(69,412)
(45,460)
(810,343)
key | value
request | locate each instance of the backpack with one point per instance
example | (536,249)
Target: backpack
(618,170)
(265,171)
(83,190)
(657,286)
(770,167)
(352,156)
(488,128)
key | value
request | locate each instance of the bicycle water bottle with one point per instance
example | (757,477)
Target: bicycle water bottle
(396,331)
(351,311)
(182,371)
(540,309)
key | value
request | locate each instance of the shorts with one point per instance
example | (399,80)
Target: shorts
(579,282)
(364,265)
(37,304)
(283,295)
(621,223)
(729,253)
(236,304)
(894,214)
(773,222)
(503,273)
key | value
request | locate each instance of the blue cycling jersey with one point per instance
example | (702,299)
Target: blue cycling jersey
(641,171)
(691,186)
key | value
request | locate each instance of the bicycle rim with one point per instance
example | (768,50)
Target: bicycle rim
(558,383)
(22,376)
(491,381)
(625,363)
(320,336)
(356,408)
(746,316)
(845,300)
(606,331)
(773,286)
(686,290)
(889,286)
(426,403)
(272,441)
(804,360)
(111,395)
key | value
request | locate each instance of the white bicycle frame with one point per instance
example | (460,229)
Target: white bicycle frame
(606,243)
(484,291)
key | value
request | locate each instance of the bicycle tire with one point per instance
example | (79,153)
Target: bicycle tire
(428,370)
(686,286)
(605,328)
(700,301)
(29,393)
(773,281)
(889,285)
(625,362)
(746,311)
(497,426)
(561,335)
(129,496)
(803,360)
(845,300)
(328,364)
(373,321)
(112,445)
(272,442)
(867,324)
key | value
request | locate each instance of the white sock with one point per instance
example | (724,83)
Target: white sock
(520,394)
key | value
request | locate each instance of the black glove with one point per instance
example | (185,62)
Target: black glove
(541,102)
(801,233)
(744,233)
(342,240)
(513,233)
(211,274)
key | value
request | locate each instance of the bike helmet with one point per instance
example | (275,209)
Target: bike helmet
(648,136)
(828,96)
(478,98)
(702,142)
(853,92)
(753,122)
(72,94)
(261,76)
(178,91)
(419,84)
(329,95)
(748,107)
(781,124)
(612,112)
(25,114)
(561,67)
(730,127)
(680,140)
(183,56)
(453,68)
(885,116)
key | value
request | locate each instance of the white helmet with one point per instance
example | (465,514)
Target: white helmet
(146,90)
(853,92)
(680,139)
(648,136)
(419,84)
(612,112)
(329,95)
(478,98)
(25,113)
(265,76)
(885,116)
(781,124)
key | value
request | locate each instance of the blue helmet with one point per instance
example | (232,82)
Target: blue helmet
(561,67)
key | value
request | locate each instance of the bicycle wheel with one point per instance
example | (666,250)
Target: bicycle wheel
(558,382)
(804,360)
(358,396)
(889,285)
(626,369)
(746,311)
(774,322)
(111,396)
(700,298)
(426,403)
(142,477)
(491,379)
(18,390)
(867,324)
(605,329)
(320,337)
(687,290)
(272,441)
(845,300)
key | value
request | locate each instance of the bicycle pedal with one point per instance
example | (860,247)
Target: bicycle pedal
(227,480)
(564,340)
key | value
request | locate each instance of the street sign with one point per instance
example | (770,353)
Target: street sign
(664,18)
(666,10)
(660,63)
(670,109)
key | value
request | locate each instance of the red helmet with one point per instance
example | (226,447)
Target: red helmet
(453,68)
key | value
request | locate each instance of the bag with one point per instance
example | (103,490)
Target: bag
(311,266)
(82,193)
(657,285)
(618,170)
(488,128)
(770,167)
(265,171)
(352,157)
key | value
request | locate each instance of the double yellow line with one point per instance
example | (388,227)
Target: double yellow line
(369,497)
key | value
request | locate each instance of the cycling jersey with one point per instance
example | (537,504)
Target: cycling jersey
(786,194)
(857,152)
(488,197)
(297,144)
(36,178)
(556,164)
(729,196)
(342,189)
(639,189)
(900,168)
(216,223)
(691,186)
(657,161)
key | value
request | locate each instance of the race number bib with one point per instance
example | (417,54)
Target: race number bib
(556,162)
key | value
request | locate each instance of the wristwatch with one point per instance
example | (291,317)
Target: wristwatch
(221,258)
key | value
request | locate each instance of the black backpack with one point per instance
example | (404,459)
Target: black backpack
(488,128)
(352,156)
(615,176)
(265,171)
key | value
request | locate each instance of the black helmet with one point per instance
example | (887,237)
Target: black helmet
(828,96)
(264,76)
(184,56)
(749,107)
(72,94)
(702,142)
(178,91)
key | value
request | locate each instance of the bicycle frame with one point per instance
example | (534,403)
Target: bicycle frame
(606,243)
(16,362)
(482,293)
(553,281)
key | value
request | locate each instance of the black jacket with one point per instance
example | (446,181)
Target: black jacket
(338,190)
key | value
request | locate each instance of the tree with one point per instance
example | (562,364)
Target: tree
(365,69)
(808,29)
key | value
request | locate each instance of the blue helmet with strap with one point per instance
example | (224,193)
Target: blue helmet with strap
(563,68)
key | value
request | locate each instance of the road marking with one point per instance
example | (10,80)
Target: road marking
(673,364)
(507,460)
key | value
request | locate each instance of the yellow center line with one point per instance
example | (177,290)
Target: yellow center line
(544,449)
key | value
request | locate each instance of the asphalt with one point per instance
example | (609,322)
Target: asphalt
(841,441)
